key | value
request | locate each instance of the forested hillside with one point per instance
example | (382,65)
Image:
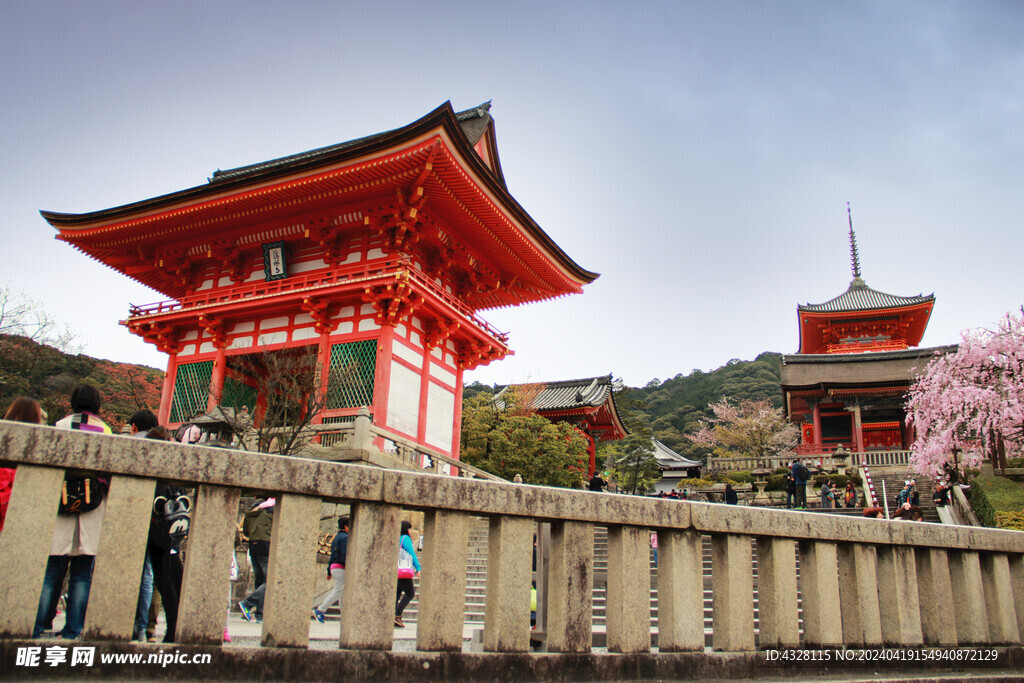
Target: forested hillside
(48,375)
(675,406)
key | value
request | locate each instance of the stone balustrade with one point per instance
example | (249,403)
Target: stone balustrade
(863,582)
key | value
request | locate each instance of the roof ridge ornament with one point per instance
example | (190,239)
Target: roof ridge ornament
(854,257)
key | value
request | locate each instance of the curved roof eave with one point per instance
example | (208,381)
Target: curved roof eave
(236,179)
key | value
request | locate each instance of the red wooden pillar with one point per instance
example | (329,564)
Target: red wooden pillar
(382,383)
(220,363)
(817,424)
(457,427)
(167,393)
(421,427)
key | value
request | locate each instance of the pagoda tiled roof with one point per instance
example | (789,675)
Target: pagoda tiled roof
(472,121)
(860,297)
(668,459)
(565,394)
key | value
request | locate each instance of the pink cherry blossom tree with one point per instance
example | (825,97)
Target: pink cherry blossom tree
(970,401)
(748,428)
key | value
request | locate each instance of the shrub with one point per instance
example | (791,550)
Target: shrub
(738,477)
(775,482)
(785,470)
(1015,462)
(992,495)
(1010,520)
(701,483)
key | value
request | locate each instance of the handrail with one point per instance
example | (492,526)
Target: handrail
(309,282)
(878,556)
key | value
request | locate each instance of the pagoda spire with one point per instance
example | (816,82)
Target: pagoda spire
(854,257)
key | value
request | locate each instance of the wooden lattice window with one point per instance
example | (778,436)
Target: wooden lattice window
(350,381)
(191,390)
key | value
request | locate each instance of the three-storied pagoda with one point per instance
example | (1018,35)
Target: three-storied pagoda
(847,384)
(378,252)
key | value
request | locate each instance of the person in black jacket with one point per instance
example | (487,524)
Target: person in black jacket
(335,569)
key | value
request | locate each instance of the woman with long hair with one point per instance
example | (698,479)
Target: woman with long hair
(408,566)
(22,409)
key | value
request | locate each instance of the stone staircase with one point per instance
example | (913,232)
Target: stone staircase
(894,483)
(476,580)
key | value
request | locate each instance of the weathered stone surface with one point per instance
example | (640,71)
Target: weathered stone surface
(1016,565)
(443,581)
(202,611)
(779,625)
(858,595)
(819,587)
(999,605)
(291,571)
(571,587)
(119,559)
(25,545)
(934,587)
(628,598)
(968,598)
(166,460)
(732,591)
(371,577)
(541,503)
(507,605)
(680,592)
(897,597)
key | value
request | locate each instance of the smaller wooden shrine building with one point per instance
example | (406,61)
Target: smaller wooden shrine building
(376,255)
(588,404)
(847,384)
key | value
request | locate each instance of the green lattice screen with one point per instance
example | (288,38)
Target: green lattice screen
(237,394)
(191,389)
(353,366)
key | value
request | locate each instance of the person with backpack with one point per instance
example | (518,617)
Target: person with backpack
(188,432)
(801,476)
(76,534)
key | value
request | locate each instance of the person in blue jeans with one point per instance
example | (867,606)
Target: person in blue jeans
(76,537)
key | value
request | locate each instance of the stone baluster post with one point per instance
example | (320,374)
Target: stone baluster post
(25,545)
(999,605)
(119,559)
(732,590)
(371,577)
(628,605)
(898,602)
(291,571)
(779,625)
(571,587)
(858,595)
(1016,563)
(967,598)
(934,588)
(202,612)
(507,606)
(680,591)
(442,596)
(819,587)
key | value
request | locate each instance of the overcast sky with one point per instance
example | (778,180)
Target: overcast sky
(699,155)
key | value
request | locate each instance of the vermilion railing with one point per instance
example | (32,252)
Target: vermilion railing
(309,282)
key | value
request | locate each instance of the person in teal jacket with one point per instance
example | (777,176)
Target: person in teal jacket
(408,567)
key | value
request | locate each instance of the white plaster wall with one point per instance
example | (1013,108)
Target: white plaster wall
(440,417)
(407,353)
(404,399)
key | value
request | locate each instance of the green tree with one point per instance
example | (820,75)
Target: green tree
(635,468)
(510,440)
